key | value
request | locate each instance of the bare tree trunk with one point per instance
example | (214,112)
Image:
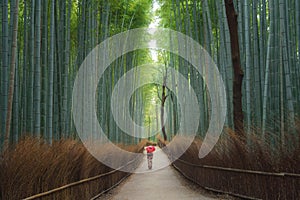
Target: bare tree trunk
(12,75)
(238,72)
(162,111)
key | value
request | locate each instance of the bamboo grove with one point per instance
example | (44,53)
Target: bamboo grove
(55,36)
(53,39)
(268,33)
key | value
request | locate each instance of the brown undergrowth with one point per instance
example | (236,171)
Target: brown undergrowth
(32,167)
(256,155)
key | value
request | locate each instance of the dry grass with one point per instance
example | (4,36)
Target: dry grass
(257,155)
(32,167)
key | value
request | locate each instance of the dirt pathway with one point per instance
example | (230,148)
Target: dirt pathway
(159,183)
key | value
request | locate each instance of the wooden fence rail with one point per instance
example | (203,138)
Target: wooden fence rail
(246,184)
(80,182)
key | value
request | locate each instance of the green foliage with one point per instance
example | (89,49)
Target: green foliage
(270,90)
(52,53)
(272,68)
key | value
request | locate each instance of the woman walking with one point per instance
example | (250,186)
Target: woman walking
(150,150)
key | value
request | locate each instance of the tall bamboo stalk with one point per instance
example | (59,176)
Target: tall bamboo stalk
(4,67)
(12,74)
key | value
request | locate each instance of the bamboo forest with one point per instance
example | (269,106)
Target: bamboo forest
(145,99)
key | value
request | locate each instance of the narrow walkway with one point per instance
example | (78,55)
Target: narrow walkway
(159,183)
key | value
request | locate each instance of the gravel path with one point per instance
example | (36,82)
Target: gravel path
(160,183)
